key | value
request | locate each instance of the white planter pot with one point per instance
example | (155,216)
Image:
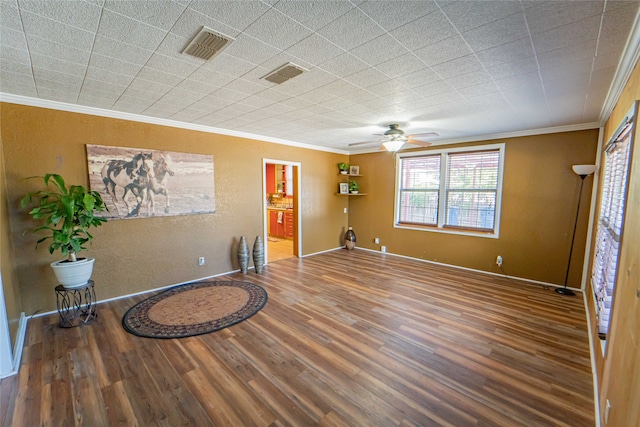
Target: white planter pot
(73,274)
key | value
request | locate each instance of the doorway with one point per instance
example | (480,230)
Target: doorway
(281,192)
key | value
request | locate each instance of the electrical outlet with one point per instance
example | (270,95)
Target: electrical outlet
(376,240)
(499,261)
(201,260)
(383,249)
(345,210)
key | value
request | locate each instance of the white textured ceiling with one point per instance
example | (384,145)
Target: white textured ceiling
(459,68)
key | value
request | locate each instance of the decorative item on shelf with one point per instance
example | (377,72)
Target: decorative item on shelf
(350,239)
(353,187)
(344,188)
(258,254)
(344,168)
(243,255)
(354,170)
(582,171)
(66,213)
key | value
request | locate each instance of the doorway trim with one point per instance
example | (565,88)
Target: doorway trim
(297,232)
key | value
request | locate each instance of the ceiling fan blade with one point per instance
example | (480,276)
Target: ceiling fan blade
(422,135)
(363,143)
(418,142)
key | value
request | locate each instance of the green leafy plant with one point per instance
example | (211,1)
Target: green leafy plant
(343,166)
(353,185)
(66,213)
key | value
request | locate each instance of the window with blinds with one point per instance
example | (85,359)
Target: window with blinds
(610,222)
(454,190)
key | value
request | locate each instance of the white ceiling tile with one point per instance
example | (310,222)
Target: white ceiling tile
(528,79)
(187,115)
(514,68)
(207,76)
(278,30)
(171,65)
(17,83)
(8,66)
(444,50)
(549,15)
(496,33)
(419,78)
(122,51)
(560,57)
(282,58)
(472,90)
(44,28)
(63,94)
(77,14)
(423,31)
(160,14)
(313,14)
(507,52)
(46,62)
(245,86)
(315,50)
(236,14)
(56,76)
(470,79)
(9,16)
(388,15)
(456,67)
(379,50)
(575,33)
(251,49)
(96,101)
(14,55)
(401,66)
(130,31)
(227,64)
(366,78)
(145,89)
(131,105)
(467,15)
(158,76)
(114,65)
(92,85)
(12,38)
(434,88)
(344,65)
(387,87)
(351,29)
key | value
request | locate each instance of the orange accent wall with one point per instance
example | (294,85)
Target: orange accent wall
(539,199)
(136,255)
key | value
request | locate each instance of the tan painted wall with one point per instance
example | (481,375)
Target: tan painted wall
(540,196)
(619,370)
(140,254)
(7,259)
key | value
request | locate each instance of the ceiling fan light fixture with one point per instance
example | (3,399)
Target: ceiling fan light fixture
(393,145)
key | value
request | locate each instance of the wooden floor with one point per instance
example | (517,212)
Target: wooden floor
(279,249)
(347,338)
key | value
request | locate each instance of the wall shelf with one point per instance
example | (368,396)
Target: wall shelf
(351,194)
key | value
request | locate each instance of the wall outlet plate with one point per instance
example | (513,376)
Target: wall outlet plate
(201,260)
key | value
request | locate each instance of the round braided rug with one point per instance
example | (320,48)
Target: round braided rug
(194,309)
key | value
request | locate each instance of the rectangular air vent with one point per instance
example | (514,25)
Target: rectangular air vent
(207,44)
(284,73)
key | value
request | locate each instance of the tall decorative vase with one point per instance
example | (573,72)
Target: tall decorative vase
(243,255)
(350,239)
(258,254)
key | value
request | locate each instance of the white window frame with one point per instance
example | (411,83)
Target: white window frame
(440,227)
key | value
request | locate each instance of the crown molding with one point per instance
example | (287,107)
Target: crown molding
(93,111)
(628,61)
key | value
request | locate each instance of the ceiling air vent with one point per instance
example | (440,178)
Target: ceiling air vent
(284,73)
(207,44)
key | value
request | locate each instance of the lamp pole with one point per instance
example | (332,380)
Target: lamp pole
(583,171)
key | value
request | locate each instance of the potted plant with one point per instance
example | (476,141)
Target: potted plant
(353,187)
(66,214)
(343,167)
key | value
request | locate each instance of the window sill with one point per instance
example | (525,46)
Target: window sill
(448,230)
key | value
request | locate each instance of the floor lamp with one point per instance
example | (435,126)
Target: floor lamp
(583,171)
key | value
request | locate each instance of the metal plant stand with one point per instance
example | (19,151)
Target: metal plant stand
(76,306)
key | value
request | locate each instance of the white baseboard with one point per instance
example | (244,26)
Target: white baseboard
(530,281)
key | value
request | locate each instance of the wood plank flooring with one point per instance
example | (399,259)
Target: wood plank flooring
(347,338)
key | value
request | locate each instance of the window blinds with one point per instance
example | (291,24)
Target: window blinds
(610,224)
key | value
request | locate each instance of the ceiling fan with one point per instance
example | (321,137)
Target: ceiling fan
(395,138)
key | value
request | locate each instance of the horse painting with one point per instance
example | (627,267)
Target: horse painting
(154,182)
(121,173)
